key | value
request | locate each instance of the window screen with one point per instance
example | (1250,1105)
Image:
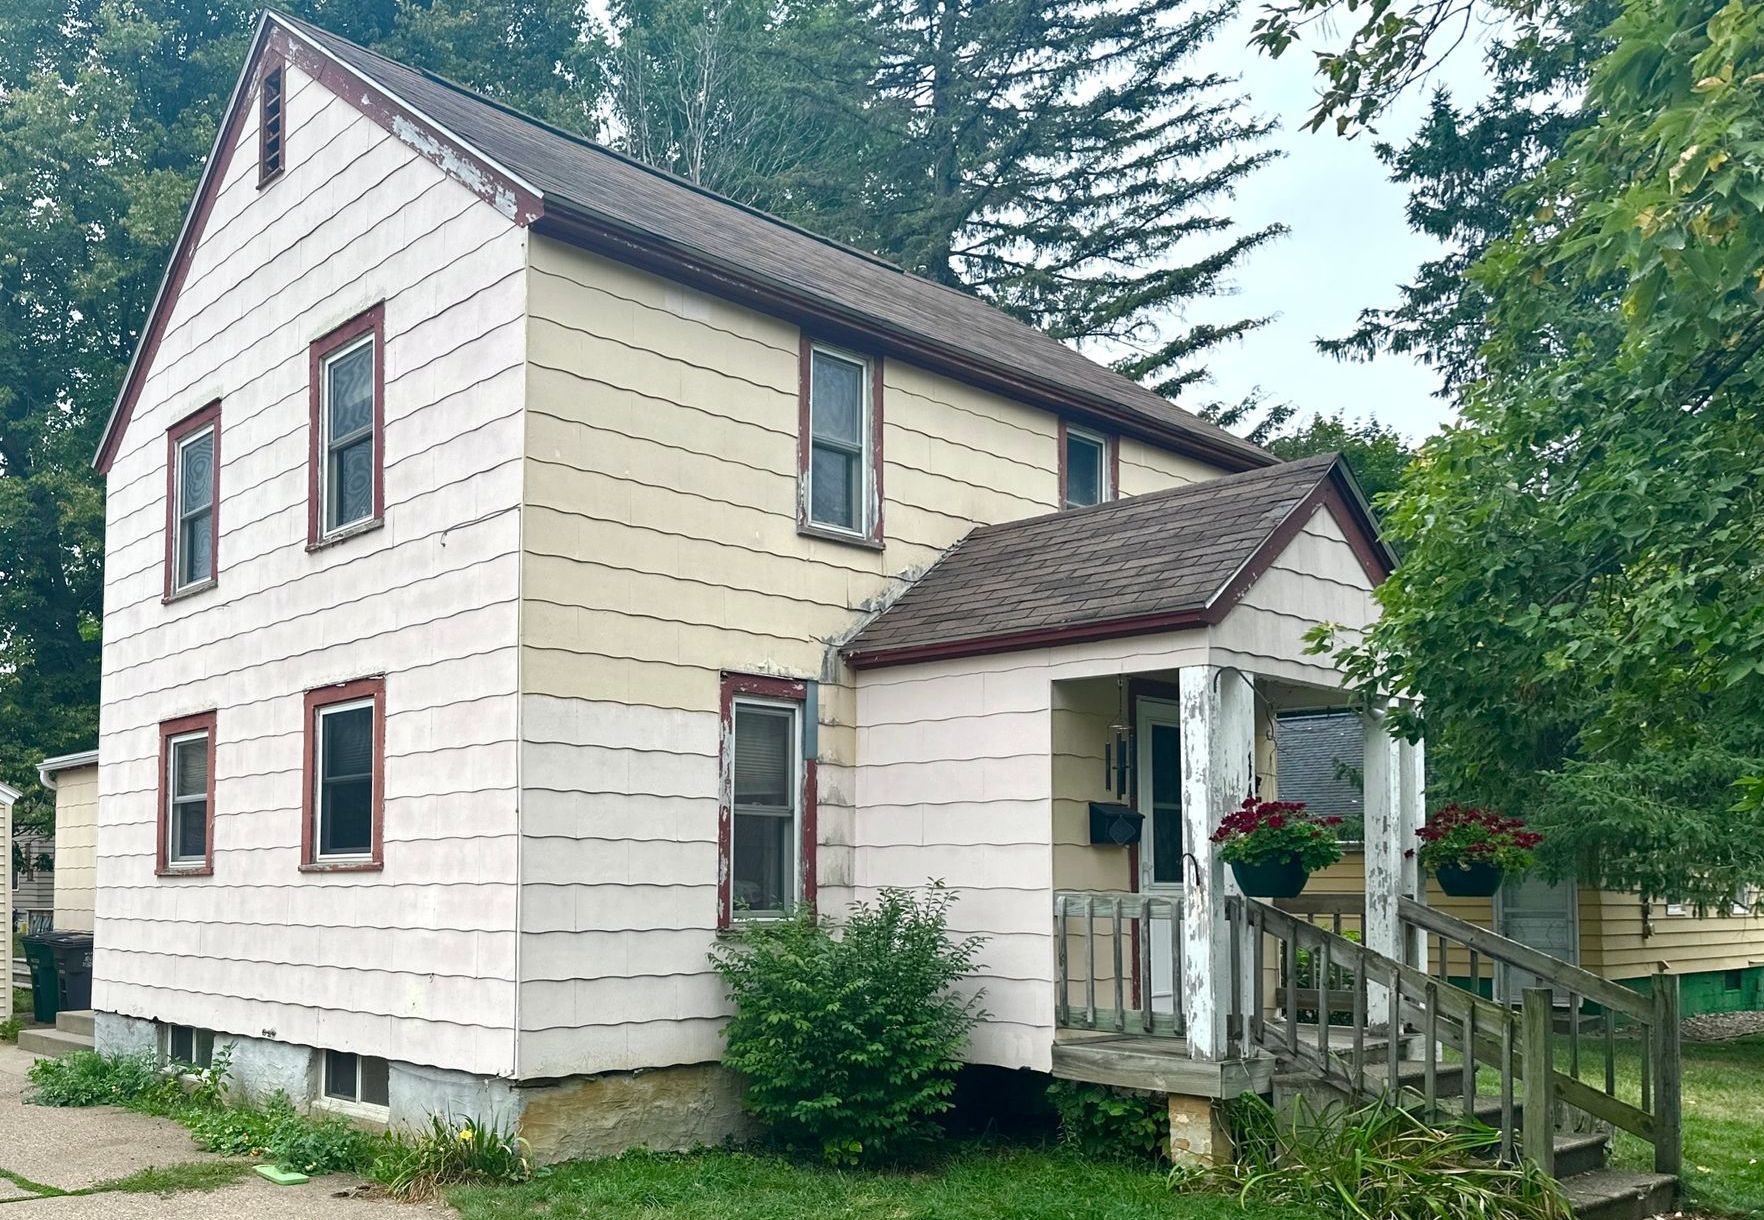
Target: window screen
(187,819)
(765,808)
(195,509)
(346,780)
(349,437)
(1086,473)
(839,442)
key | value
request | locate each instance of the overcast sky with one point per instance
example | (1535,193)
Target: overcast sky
(1349,249)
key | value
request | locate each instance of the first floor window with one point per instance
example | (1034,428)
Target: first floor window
(769,763)
(1085,466)
(357,1078)
(187,788)
(344,799)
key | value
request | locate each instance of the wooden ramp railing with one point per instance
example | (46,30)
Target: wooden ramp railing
(1345,1012)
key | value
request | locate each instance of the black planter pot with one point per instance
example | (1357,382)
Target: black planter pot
(1478,879)
(1273,877)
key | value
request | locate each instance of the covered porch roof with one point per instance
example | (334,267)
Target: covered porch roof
(1168,561)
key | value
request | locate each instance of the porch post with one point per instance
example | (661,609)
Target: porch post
(1395,803)
(1218,748)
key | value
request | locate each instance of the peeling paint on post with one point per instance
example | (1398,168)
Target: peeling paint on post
(1396,807)
(1218,744)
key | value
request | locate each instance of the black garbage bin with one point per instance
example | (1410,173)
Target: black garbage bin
(73,963)
(39,953)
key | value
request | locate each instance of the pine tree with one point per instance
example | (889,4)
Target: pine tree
(1059,158)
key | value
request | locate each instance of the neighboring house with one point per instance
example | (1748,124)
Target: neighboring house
(496,534)
(74,780)
(1718,956)
(33,879)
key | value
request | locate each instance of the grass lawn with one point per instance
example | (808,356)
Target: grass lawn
(1723,1123)
(977,1183)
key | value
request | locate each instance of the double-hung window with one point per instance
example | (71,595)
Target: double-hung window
(186,786)
(840,492)
(344,735)
(348,384)
(1086,468)
(192,522)
(768,837)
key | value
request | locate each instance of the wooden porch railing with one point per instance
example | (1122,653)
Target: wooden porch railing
(1104,967)
(1345,1012)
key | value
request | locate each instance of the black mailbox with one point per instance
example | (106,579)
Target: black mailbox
(1114,825)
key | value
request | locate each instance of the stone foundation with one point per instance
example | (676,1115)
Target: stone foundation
(668,1109)
(1198,1134)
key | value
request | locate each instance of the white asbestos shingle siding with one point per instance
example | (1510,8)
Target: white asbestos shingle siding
(416,962)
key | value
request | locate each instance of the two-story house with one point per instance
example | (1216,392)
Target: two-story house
(497,530)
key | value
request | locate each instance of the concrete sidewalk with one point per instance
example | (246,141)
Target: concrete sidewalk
(78,1149)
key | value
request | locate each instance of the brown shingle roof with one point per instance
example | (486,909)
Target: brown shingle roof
(578,177)
(1156,562)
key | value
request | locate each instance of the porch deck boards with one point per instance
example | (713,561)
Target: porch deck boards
(1160,1065)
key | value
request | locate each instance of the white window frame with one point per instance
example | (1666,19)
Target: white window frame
(794,711)
(328,444)
(865,528)
(197,1036)
(180,516)
(353,1105)
(1105,490)
(319,854)
(173,800)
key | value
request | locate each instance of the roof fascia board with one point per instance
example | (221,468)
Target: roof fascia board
(507,192)
(629,244)
(1018,641)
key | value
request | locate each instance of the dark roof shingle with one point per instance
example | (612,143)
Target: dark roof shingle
(579,175)
(1147,563)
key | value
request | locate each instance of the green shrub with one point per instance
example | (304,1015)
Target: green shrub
(1101,1122)
(849,1042)
(10,1028)
(86,1078)
(451,1152)
(1377,1162)
(279,1133)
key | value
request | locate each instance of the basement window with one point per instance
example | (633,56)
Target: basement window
(1733,980)
(358,1078)
(187,1045)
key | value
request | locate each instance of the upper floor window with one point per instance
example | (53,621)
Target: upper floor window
(270,128)
(1087,474)
(192,526)
(186,795)
(348,386)
(767,840)
(840,459)
(345,732)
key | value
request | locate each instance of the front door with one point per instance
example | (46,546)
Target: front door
(1159,798)
(1543,916)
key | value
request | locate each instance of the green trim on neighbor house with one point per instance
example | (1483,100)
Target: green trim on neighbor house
(1706,991)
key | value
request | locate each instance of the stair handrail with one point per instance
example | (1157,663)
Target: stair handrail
(1440,1012)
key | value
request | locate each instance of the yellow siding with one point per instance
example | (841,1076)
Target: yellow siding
(660,549)
(1687,944)
(76,847)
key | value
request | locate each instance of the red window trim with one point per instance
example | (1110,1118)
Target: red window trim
(327,696)
(168,729)
(786,690)
(277,66)
(872,536)
(1112,459)
(371,321)
(185,428)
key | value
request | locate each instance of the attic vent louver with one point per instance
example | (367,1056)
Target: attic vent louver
(269,161)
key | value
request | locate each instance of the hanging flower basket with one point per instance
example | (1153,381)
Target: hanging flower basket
(1472,851)
(1273,847)
(1277,877)
(1476,879)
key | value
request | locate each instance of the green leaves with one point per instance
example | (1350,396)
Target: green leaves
(1582,599)
(850,1042)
